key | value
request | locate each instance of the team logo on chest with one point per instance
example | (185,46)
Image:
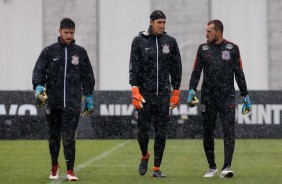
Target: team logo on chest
(165,48)
(75,60)
(225,55)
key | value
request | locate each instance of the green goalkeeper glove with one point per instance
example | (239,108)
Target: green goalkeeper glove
(192,100)
(247,106)
(40,96)
(87,108)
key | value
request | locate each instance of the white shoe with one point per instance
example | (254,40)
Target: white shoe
(226,173)
(54,174)
(210,173)
(71,176)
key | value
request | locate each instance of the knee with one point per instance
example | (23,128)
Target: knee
(68,140)
(54,140)
(144,130)
(161,135)
(143,134)
(54,137)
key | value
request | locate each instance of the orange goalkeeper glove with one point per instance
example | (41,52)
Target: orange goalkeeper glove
(174,100)
(137,98)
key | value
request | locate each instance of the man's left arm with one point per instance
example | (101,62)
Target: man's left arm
(87,83)
(239,74)
(175,67)
(87,76)
(175,74)
(241,81)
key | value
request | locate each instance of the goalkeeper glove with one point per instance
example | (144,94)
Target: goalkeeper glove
(40,96)
(87,108)
(137,99)
(192,99)
(174,100)
(247,106)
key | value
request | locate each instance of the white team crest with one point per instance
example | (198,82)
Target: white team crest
(75,60)
(225,55)
(165,48)
(205,47)
(229,46)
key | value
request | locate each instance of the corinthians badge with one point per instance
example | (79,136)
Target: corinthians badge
(165,48)
(225,55)
(75,60)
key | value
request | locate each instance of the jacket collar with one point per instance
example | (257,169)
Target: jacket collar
(217,45)
(64,44)
(150,33)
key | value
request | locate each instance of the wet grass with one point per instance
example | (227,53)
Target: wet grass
(256,161)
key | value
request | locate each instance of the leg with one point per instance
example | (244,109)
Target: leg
(209,123)
(54,124)
(161,118)
(227,116)
(70,120)
(144,126)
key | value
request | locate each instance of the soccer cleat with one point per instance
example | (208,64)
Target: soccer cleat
(54,174)
(211,173)
(71,176)
(143,166)
(158,173)
(226,173)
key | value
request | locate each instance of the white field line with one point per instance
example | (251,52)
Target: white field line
(91,161)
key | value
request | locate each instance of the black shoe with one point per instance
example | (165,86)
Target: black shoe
(158,173)
(143,166)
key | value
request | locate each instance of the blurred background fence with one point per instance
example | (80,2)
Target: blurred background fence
(115,117)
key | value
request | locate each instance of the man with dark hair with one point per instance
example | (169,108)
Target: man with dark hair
(218,26)
(155,68)
(67,23)
(220,60)
(62,74)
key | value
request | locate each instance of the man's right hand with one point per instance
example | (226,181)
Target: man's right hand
(137,98)
(40,96)
(192,99)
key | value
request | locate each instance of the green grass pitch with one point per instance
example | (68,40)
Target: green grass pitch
(256,161)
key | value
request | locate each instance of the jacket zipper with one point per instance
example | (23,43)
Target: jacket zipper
(157,66)
(65,75)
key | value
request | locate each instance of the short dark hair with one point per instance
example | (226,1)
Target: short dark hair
(67,23)
(157,14)
(218,26)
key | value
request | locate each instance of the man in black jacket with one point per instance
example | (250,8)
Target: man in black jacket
(220,60)
(62,74)
(155,68)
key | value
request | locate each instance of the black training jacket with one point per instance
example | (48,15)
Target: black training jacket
(155,63)
(66,72)
(219,64)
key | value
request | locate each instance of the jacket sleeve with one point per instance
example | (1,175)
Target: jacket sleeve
(87,76)
(40,69)
(134,63)
(239,74)
(175,67)
(197,70)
